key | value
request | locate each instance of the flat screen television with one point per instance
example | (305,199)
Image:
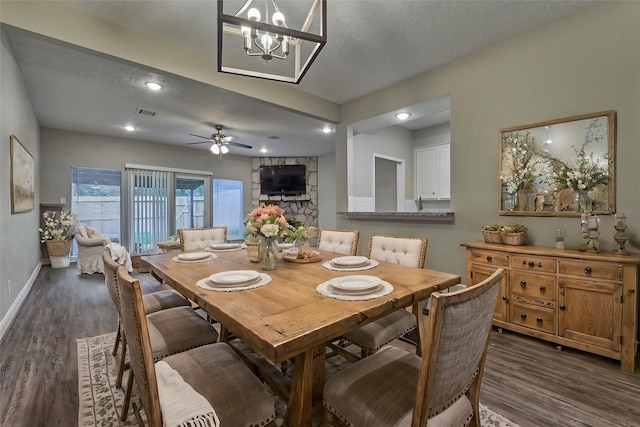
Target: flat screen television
(283,180)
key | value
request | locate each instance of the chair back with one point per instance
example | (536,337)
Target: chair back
(134,322)
(338,241)
(192,239)
(454,353)
(111,278)
(408,251)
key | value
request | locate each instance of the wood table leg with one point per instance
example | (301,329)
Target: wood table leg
(306,387)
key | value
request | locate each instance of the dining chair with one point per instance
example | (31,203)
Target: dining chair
(338,241)
(192,239)
(442,387)
(174,325)
(408,251)
(208,385)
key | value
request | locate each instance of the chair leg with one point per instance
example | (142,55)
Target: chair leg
(116,344)
(127,398)
(122,363)
(138,415)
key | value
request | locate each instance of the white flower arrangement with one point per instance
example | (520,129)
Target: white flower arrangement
(60,229)
(521,161)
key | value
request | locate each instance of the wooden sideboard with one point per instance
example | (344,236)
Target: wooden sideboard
(582,300)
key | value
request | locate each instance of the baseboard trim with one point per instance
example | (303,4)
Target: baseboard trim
(6,321)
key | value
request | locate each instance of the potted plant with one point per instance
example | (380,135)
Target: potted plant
(57,234)
(492,233)
(514,234)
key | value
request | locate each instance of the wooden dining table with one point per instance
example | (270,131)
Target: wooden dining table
(287,318)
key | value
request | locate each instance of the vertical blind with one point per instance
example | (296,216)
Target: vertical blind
(149,207)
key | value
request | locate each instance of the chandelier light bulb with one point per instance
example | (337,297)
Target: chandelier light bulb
(278,19)
(246,31)
(215,149)
(224,149)
(253,14)
(267,41)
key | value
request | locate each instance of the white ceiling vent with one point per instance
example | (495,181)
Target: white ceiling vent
(146,112)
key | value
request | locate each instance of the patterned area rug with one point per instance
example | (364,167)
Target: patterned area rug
(101,401)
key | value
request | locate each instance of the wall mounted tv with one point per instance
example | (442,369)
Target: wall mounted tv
(283,180)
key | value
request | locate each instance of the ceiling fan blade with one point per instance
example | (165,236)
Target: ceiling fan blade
(237,144)
(199,142)
(200,136)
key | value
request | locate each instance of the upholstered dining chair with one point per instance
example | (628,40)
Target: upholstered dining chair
(442,387)
(408,251)
(174,326)
(208,385)
(338,241)
(192,239)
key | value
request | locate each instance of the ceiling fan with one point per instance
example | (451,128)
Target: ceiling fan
(219,142)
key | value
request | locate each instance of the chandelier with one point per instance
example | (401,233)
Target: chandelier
(259,32)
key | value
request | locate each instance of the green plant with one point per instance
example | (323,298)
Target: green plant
(492,227)
(514,228)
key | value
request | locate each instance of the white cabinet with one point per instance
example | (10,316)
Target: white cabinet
(432,172)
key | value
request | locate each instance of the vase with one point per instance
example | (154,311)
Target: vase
(268,253)
(509,201)
(59,251)
(526,199)
(583,201)
(252,250)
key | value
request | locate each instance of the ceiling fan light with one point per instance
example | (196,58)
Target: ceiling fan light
(215,149)
(224,149)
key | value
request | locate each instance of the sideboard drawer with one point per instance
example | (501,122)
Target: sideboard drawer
(534,285)
(534,263)
(493,258)
(591,269)
(541,319)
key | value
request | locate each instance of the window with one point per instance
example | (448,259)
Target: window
(95,199)
(228,207)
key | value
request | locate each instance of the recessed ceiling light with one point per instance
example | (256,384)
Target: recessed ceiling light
(403,116)
(153,85)
(263,150)
(327,129)
(129,128)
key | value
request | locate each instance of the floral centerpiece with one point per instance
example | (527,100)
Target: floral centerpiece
(57,234)
(266,223)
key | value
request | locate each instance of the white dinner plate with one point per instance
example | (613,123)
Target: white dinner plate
(350,261)
(221,246)
(234,278)
(356,284)
(193,256)
(283,246)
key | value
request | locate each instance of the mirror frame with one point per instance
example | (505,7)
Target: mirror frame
(611,142)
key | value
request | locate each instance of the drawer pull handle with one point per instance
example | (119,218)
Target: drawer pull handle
(587,270)
(531,263)
(524,262)
(543,288)
(504,297)
(539,319)
(523,316)
(489,258)
(562,307)
(523,283)
(540,264)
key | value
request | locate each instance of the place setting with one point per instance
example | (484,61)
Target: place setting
(234,280)
(350,263)
(355,287)
(225,247)
(193,257)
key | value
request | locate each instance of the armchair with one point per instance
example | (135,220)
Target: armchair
(91,243)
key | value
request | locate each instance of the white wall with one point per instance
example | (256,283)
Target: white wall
(20,251)
(326,195)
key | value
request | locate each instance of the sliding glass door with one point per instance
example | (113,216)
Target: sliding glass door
(192,202)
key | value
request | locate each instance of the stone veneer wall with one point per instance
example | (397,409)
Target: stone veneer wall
(302,208)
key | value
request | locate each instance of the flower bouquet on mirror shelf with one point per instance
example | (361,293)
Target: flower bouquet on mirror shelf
(57,234)
(522,166)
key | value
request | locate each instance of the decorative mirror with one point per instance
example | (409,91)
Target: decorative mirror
(560,167)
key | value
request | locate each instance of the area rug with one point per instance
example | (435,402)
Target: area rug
(100,401)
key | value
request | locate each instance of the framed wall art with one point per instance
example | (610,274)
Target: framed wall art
(22,177)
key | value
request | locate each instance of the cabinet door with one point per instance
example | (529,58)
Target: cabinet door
(444,166)
(591,312)
(426,172)
(482,272)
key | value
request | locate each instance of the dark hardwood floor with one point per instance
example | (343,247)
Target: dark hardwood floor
(527,380)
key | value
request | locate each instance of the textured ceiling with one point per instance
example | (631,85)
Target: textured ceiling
(371,44)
